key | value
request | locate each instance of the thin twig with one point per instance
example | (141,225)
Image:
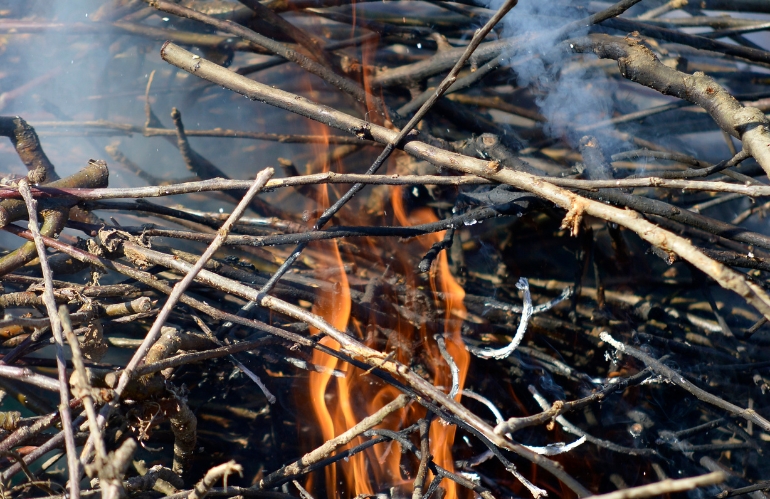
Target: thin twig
(110,484)
(298,467)
(455,388)
(73,463)
(422,470)
(501,353)
(222,471)
(676,378)
(179,289)
(220,184)
(667,486)
(576,206)
(27,376)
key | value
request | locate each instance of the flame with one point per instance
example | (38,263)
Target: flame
(330,409)
(441,280)
(340,403)
(335,308)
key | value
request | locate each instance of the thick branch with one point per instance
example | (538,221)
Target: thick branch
(639,64)
(576,205)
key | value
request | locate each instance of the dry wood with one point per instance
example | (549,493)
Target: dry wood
(666,487)
(575,205)
(56,328)
(542,199)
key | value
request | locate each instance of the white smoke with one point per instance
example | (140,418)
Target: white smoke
(570,90)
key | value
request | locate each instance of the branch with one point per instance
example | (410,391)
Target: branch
(178,291)
(667,486)
(577,206)
(676,378)
(73,463)
(639,64)
(322,452)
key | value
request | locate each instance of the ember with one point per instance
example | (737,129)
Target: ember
(513,249)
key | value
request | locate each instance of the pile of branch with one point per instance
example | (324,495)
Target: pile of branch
(604,313)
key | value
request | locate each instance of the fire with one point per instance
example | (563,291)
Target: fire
(335,308)
(441,280)
(339,403)
(330,410)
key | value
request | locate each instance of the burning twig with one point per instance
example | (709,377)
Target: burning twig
(662,239)
(349,345)
(300,466)
(422,470)
(488,174)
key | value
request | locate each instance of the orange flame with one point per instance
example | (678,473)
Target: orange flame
(340,403)
(441,280)
(335,308)
(329,399)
